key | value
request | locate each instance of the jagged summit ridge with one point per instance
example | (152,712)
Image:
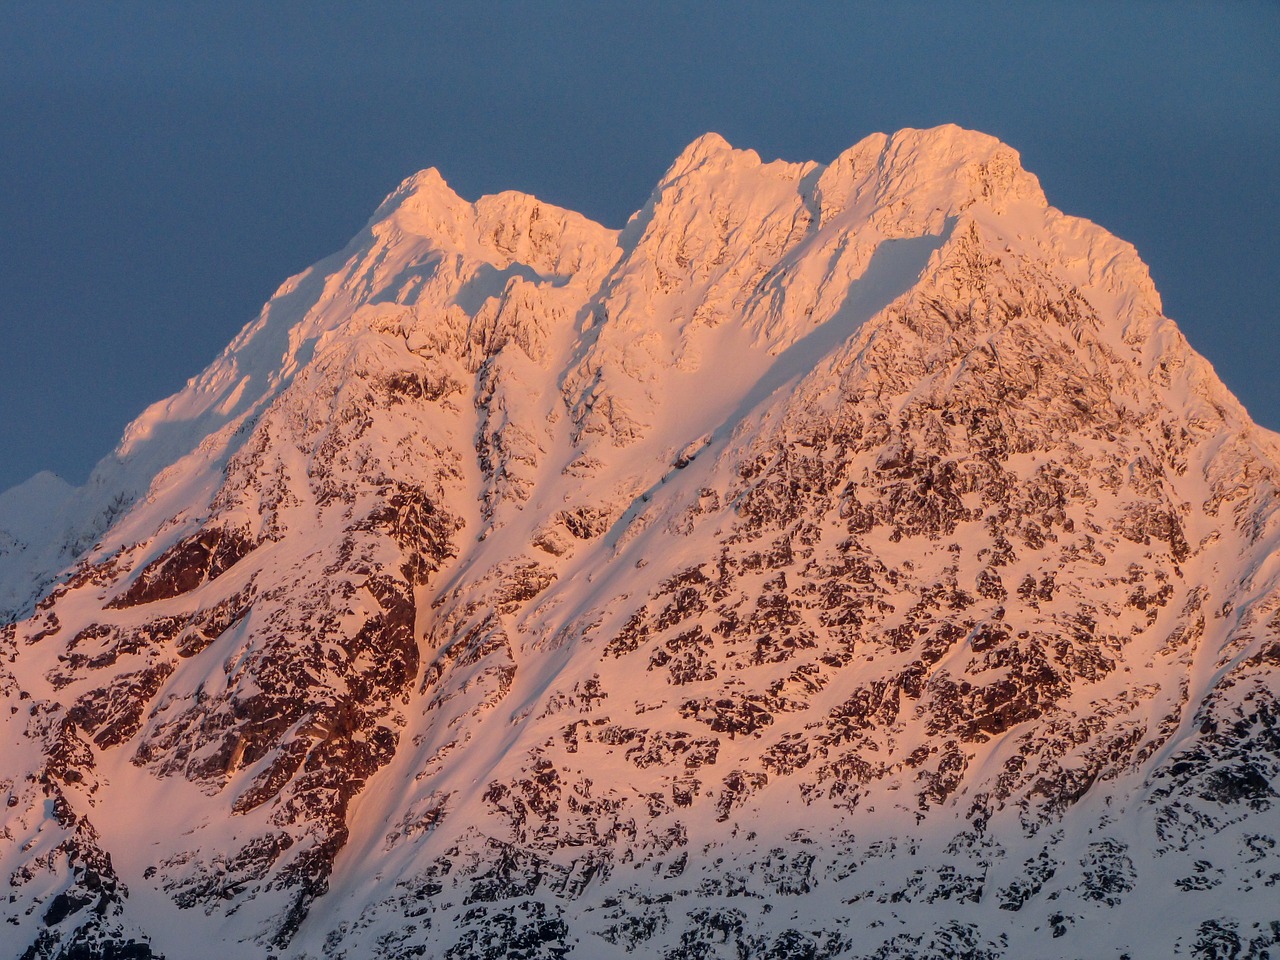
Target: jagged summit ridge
(844,560)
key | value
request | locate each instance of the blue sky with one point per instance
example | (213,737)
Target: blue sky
(165,167)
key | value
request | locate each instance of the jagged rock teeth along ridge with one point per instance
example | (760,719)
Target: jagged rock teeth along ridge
(842,560)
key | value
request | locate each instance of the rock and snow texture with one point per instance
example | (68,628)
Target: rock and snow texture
(839,561)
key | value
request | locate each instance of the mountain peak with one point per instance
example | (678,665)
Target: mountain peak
(941,170)
(704,146)
(425,186)
(988,167)
(712,151)
(422,203)
(857,534)
(950,136)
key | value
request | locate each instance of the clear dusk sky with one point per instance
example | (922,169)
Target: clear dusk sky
(164,166)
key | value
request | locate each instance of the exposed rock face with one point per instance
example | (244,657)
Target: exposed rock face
(843,561)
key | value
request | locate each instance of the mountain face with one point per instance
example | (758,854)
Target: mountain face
(839,561)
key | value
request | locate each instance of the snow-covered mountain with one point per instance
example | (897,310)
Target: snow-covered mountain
(839,561)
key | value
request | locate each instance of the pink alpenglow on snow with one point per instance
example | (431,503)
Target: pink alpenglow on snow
(842,560)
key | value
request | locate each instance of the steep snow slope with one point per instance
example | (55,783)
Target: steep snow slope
(838,561)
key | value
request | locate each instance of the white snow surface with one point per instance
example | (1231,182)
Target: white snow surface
(844,560)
